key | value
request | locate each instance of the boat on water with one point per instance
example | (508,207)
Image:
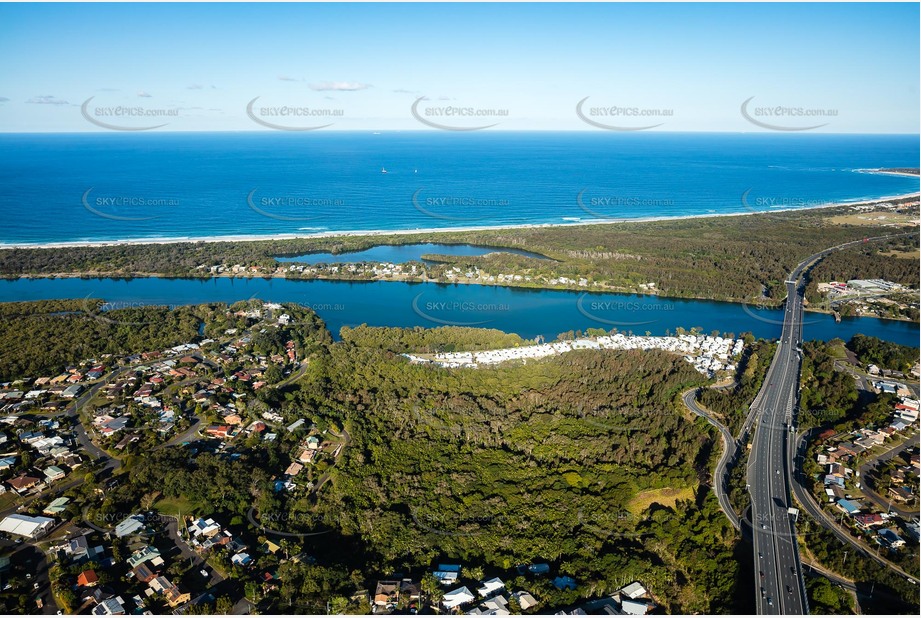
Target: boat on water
(383,170)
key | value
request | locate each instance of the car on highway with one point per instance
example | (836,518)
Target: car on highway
(770,601)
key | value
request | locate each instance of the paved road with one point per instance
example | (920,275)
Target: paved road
(779,577)
(729,448)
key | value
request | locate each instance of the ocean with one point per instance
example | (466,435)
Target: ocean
(112,186)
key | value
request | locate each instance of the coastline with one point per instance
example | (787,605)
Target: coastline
(423,231)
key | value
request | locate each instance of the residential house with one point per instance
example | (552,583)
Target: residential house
(456,598)
(56,506)
(87,578)
(130,526)
(891,539)
(53,473)
(386,594)
(143,573)
(491,587)
(110,607)
(218,431)
(633,590)
(635,608)
(447,573)
(23,482)
(525,600)
(901,494)
(146,553)
(851,507)
(26,526)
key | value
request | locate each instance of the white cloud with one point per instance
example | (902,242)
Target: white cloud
(339,86)
(143,94)
(48,99)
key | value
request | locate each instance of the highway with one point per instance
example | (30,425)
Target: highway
(778,571)
(779,576)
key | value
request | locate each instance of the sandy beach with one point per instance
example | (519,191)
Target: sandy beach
(437,230)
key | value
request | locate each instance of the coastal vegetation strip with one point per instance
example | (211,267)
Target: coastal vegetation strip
(748,256)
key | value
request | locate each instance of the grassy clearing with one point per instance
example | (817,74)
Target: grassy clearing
(873,218)
(172,506)
(666,496)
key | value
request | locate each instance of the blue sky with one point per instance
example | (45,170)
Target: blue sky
(690,66)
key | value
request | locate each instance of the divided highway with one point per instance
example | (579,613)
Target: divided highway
(779,576)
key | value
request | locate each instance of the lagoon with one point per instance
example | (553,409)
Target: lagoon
(400,254)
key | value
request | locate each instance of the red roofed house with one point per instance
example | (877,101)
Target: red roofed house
(87,578)
(23,482)
(218,431)
(868,520)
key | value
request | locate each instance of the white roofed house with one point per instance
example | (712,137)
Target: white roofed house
(129,526)
(457,597)
(490,587)
(633,590)
(635,608)
(26,526)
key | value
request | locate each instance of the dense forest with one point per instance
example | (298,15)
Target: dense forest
(517,464)
(43,337)
(430,340)
(885,354)
(827,395)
